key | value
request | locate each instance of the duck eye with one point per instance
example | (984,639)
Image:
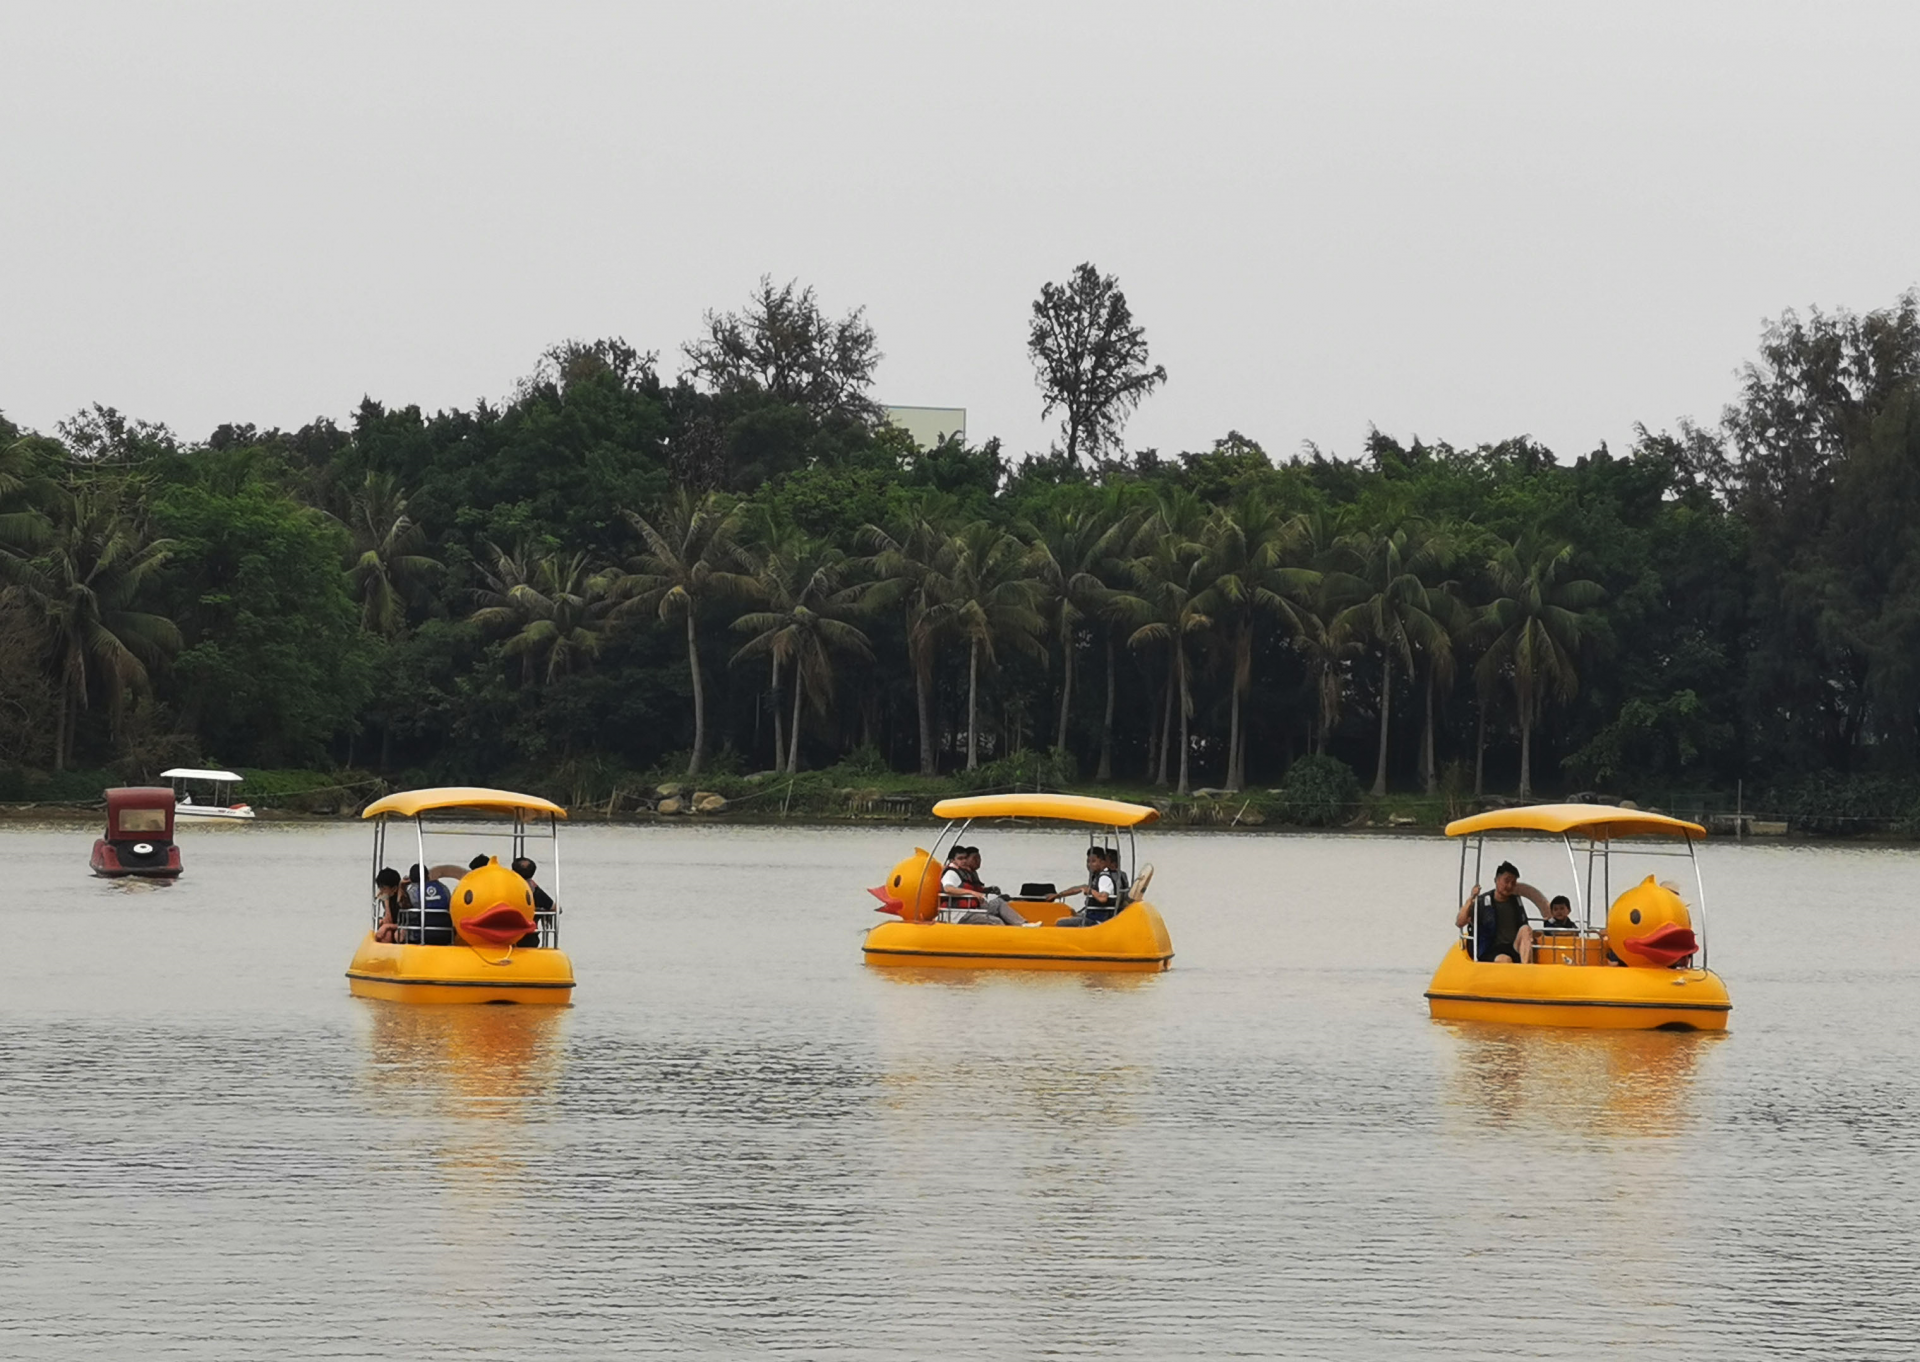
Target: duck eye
(896,881)
(1634,917)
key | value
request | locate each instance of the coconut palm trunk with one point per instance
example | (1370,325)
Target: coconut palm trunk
(1106,724)
(1526,750)
(793,753)
(779,721)
(1429,775)
(1386,710)
(699,697)
(1480,750)
(1187,705)
(1166,725)
(923,702)
(973,703)
(1066,687)
(1236,733)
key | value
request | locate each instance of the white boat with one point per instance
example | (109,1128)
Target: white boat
(216,799)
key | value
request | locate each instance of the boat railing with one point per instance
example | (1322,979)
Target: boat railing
(546,921)
(1571,945)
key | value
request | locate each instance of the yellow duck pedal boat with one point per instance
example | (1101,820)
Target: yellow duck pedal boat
(492,938)
(1638,973)
(933,930)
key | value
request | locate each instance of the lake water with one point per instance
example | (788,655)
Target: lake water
(741,1142)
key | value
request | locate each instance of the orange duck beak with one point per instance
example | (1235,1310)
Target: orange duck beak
(503,924)
(1668,946)
(888,903)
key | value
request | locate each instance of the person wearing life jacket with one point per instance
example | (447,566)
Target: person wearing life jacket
(428,918)
(1501,934)
(1105,889)
(961,887)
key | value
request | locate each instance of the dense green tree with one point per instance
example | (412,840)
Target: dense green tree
(1536,624)
(274,660)
(990,603)
(690,559)
(388,570)
(809,603)
(553,611)
(93,571)
(1393,609)
(1173,576)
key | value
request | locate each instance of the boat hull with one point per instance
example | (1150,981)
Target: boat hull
(1598,997)
(211,811)
(459,974)
(1135,941)
(110,864)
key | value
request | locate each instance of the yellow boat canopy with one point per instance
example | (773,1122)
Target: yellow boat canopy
(1601,822)
(1068,808)
(413,803)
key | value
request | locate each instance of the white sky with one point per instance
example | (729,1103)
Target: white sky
(1461,221)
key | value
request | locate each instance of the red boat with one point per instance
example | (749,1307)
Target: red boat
(139,838)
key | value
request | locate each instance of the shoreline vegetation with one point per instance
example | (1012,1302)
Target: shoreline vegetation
(837,797)
(627,590)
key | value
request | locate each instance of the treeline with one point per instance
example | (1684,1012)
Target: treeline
(747,568)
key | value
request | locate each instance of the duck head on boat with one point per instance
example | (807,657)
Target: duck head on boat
(139,837)
(1645,968)
(494,935)
(1031,928)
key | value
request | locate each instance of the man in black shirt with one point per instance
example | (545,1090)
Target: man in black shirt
(1500,931)
(542,900)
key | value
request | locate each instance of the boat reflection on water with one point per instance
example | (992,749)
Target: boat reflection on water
(1635,1083)
(494,1065)
(1008,1048)
(965,980)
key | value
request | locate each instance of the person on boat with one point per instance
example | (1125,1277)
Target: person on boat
(386,892)
(524,867)
(434,926)
(960,885)
(1560,916)
(1501,934)
(1103,888)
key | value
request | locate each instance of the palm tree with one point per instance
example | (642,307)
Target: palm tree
(1075,547)
(690,559)
(1249,545)
(1536,624)
(86,581)
(991,602)
(388,570)
(803,585)
(1441,653)
(914,561)
(1170,569)
(555,611)
(1394,610)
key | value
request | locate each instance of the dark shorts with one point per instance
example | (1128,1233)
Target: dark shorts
(1491,951)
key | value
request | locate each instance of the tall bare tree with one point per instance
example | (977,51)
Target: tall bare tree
(783,345)
(1090,359)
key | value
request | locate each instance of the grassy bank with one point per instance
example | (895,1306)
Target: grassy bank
(1318,793)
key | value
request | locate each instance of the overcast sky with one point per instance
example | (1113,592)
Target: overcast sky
(1461,221)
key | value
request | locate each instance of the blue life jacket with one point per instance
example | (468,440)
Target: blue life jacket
(438,925)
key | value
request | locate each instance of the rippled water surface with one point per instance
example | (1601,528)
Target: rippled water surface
(741,1142)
